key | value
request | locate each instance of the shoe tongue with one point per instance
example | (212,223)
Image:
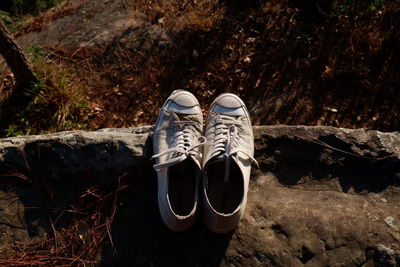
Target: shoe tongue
(185,117)
(220,159)
(216,159)
(196,161)
(184,168)
(189,158)
(188,117)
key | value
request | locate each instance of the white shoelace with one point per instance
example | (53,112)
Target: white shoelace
(184,144)
(224,143)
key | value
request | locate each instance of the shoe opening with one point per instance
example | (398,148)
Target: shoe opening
(182,186)
(224,196)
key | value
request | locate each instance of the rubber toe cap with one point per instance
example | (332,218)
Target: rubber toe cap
(229,101)
(185,99)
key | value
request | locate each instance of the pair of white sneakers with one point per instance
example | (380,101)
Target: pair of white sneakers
(214,167)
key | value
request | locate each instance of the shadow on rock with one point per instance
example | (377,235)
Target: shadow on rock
(22,208)
(140,237)
(298,161)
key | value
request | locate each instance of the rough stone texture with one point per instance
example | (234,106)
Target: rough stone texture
(323,196)
(90,27)
(127,28)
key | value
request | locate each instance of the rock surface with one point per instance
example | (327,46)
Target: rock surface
(127,28)
(323,196)
(90,27)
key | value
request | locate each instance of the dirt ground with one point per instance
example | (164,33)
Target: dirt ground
(293,62)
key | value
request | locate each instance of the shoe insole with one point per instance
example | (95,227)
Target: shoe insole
(182,186)
(224,197)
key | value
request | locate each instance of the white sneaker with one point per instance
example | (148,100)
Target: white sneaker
(228,154)
(177,145)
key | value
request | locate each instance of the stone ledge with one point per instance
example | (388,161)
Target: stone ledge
(116,150)
(322,196)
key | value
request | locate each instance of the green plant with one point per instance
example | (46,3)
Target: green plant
(56,99)
(57,95)
(304,36)
(5,17)
(14,130)
(13,23)
(343,7)
(32,7)
(36,52)
(15,12)
(376,5)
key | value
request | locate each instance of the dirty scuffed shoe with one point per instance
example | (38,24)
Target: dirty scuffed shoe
(177,146)
(228,154)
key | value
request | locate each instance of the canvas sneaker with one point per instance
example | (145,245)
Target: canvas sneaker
(177,145)
(228,154)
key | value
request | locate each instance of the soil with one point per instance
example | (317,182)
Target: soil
(317,62)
